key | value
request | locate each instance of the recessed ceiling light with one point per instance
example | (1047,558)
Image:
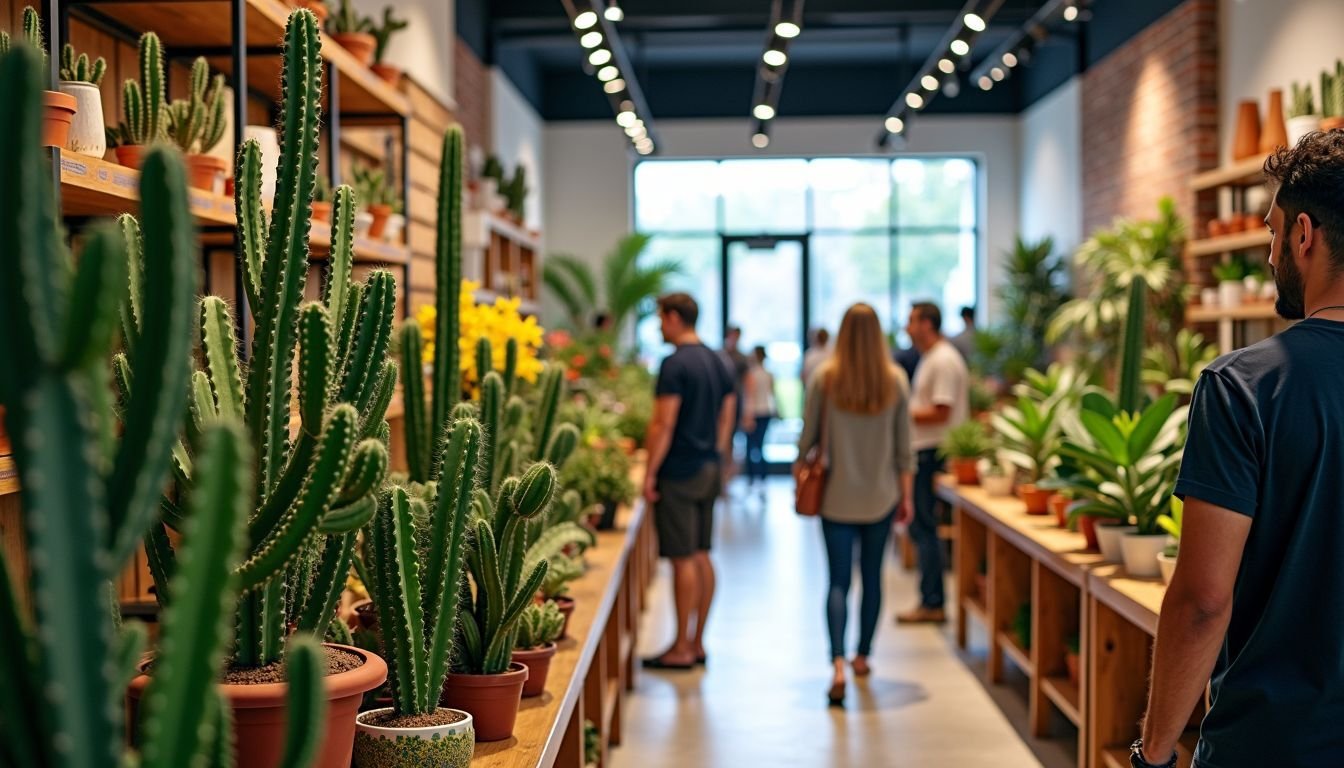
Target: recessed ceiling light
(1071,13)
(1010,59)
(961,47)
(599,57)
(614,12)
(763,111)
(775,58)
(894,124)
(974,22)
(625,119)
(986,83)
(997,74)
(608,73)
(914,100)
(947,66)
(591,39)
(787,29)
(615,86)
(760,141)
(929,82)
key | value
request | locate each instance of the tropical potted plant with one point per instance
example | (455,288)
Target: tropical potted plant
(601,476)
(1035,285)
(1178,372)
(196,125)
(1302,117)
(1171,523)
(382,34)
(538,630)
(626,283)
(80,78)
(322,199)
(963,448)
(353,32)
(516,193)
(58,109)
(1029,437)
(144,109)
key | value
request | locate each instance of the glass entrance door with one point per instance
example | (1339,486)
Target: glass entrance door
(765,292)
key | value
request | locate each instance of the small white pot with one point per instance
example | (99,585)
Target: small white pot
(997,485)
(392,230)
(1208,297)
(363,220)
(1167,565)
(1229,294)
(1140,554)
(443,746)
(486,190)
(1109,538)
(1250,287)
(1301,126)
(88,134)
(1269,291)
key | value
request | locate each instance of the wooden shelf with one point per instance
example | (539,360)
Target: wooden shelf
(205,24)
(1259,237)
(1138,600)
(975,606)
(1261,310)
(1020,657)
(1066,696)
(367,251)
(478,225)
(1116,757)
(92,187)
(1243,173)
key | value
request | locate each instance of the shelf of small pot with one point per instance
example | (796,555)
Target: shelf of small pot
(538,631)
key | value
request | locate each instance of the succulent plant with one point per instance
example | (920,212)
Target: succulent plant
(383,32)
(539,626)
(197,122)
(561,571)
(81,69)
(144,111)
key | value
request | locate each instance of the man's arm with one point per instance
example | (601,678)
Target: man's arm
(934,414)
(659,440)
(726,414)
(1193,623)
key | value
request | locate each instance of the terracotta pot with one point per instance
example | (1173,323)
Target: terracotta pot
(982,587)
(966,471)
(440,746)
(1087,525)
(130,155)
(1036,499)
(321,211)
(1234,224)
(88,135)
(4,438)
(1252,222)
(1059,505)
(318,8)
(566,606)
(390,74)
(492,700)
(380,215)
(1274,134)
(1217,228)
(259,713)
(206,172)
(58,111)
(1071,664)
(1246,140)
(360,45)
(538,663)
(1332,123)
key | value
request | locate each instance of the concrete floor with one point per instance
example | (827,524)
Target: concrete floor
(762,700)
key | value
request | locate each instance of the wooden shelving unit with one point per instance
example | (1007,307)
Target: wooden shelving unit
(1243,173)
(92,187)
(509,256)
(1240,241)
(1260,310)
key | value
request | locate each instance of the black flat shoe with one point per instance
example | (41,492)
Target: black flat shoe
(658,663)
(700,660)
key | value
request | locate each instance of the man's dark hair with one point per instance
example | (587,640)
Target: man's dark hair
(681,305)
(927,310)
(1310,180)
(968,314)
(731,330)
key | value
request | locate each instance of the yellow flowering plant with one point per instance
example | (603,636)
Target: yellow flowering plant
(497,322)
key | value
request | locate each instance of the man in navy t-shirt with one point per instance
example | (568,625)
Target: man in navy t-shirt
(1257,600)
(691,428)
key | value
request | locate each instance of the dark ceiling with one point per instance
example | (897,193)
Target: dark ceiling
(698,58)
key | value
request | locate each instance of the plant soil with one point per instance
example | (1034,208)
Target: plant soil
(393,720)
(337,662)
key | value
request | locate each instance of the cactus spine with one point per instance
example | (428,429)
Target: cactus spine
(143,108)
(80,69)
(197,122)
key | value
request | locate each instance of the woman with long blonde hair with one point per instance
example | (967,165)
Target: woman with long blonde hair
(862,402)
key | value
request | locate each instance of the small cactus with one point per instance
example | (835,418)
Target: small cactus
(561,572)
(1303,103)
(144,117)
(347,20)
(196,124)
(383,32)
(79,69)
(540,625)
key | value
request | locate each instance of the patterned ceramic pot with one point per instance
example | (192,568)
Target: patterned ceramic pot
(437,746)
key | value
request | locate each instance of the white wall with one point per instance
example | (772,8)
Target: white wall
(516,135)
(1051,180)
(420,49)
(587,196)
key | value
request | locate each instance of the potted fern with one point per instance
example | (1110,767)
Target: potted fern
(353,32)
(58,109)
(80,77)
(538,630)
(1302,117)
(196,126)
(144,111)
(964,446)
(382,34)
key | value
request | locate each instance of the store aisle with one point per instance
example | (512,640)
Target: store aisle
(762,699)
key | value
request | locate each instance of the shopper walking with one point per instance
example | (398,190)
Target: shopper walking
(738,365)
(1254,603)
(690,431)
(816,353)
(759,411)
(965,341)
(939,401)
(861,401)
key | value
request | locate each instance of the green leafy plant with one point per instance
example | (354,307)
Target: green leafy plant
(1022,625)
(563,570)
(80,69)
(371,186)
(1073,643)
(1034,288)
(600,475)
(383,32)
(516,191)
(1171,523)
(346,20)
(1061,382)
(968,440)
(494,169)
(627,285)
(539,626)
(1029,435)
(1177,372)
(1303,103)
(196,123)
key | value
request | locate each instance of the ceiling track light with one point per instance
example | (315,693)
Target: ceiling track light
(1016,50)
(760,140)
(1071,12)
(787,30)
(774,57)
(894,124)
(614,12)
(947,66)
(986,83)
(608,73)
(998,74)
(591,39)
(763,112)
(599,57)
(785,24)
(585,20)
(960,47)
(914,100)
(974,22)
(615,86)
(594,26)
(929,82)
(1010,59)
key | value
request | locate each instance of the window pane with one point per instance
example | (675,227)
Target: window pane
(850,194)
(847,269)
(934,192)
(937,268)
(678,196)
(764,196)
(700,276)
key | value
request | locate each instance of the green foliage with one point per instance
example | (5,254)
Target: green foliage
(563,569)
(574,285)
(1062,382)
(1232,270)
(81,69)
(196,123)
(599,475)
(1073,643)
(346,20)
(1022,625)
(539,626)
(627,285)
(144,108)
(516,191)
(383,32)
(1177,372)
(1171,523)
(967,440)
(1029,435)
(372,186)
(1032,291)
(1303,103)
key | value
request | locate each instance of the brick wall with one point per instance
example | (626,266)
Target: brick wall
(1150,118)
(471,83)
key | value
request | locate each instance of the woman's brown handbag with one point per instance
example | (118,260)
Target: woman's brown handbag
(809,474)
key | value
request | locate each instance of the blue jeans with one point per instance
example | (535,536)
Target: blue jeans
(756,466)
(924,530)
(872,544)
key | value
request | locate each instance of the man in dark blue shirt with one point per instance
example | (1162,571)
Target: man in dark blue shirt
(692,424)
(1255,603)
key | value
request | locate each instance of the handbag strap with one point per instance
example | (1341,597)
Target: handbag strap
(825,441)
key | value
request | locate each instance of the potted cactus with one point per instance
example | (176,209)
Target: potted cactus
(313,491)
(58,109)
(374,192)
(382,33)
(196,125)
(415,567)
(1302,117)
(318,8)
(80,78)
(562,570)
(1332,98)
(144,112)
(322,199)
(965,445)
(353,32)
(538,630)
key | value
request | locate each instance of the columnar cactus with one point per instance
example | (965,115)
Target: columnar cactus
(143,108)
(32,31)
(86,498)
(81,69)
(197,122)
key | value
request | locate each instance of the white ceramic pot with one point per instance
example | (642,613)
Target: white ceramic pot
(1109,538)
(1167,565)
(88,134)
(392,230)
(1208,297)
(997,485)
(270,156)
(486,190)
(441,746)
(1269,291)
(1301,126)
(1229,294)
(1250,287)
(363,220)
(1140,554)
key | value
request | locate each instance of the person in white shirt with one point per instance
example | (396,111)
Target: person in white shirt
(816,354)
(759,410)
(939,401)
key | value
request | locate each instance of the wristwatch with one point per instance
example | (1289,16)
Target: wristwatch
(1136,757)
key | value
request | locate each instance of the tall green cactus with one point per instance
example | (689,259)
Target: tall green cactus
(81,69)
(83,496)
(144,108)
(197,123)
(32,31)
